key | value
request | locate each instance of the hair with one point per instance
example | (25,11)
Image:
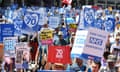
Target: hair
(105,55)
(98,62)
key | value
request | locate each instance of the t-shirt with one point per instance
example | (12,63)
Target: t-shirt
(113,47)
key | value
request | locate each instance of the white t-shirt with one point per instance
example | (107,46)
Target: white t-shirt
(114,46)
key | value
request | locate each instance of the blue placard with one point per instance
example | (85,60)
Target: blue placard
(31,20)
(18,26)
(98,23)
(7,30)
(89,17)
(109,24)
(69,20)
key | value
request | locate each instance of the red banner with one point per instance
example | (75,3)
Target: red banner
(59,54)
(67,1)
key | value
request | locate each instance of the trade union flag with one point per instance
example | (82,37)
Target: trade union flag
(67,1)
(59,54)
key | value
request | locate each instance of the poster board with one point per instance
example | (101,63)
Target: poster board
(22,53)
(46,36)
(95,43)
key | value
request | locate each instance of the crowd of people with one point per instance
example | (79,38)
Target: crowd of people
(63,36)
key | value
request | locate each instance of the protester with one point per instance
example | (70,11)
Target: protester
(111,64)
(116,45)
(62,37)
(42,50)
(118,69)
(96,66)
(78,66)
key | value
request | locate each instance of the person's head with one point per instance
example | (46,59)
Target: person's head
(96,64)
(111,60)
(58,66)
(79,61)
(118,69)
(60,35)
(45,25)
(105,55)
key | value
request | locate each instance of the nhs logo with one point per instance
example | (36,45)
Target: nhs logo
(96,41)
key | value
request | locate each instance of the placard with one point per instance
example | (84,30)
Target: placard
(46,36)
(7,30)
(79,43)
(54,21)
(22,54)
(95,43)
(9,46)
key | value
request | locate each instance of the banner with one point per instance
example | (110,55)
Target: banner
(22,55)
(59,54)
(89,17)
(54,21)
(7,30)
(95,43)
(79,42)
(46,36)
(9,46)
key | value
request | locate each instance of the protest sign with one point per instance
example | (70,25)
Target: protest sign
(54,21)
(31,20)
(89,17)
(95,43)
(59,54)
(99,23)
(72,27)
(46,36)
(69,20)
(79,42)
(18,23)
(9,46)
(22,54)
(109,23)
(42,16)
(7,30)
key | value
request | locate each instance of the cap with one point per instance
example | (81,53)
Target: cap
(111,58)
(60,33)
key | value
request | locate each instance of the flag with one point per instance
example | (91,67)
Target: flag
(59,54)
(67,1)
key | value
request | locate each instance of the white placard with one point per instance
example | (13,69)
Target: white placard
(79,42)
(54,21)
(95,43)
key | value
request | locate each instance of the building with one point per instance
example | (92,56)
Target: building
(75,3)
